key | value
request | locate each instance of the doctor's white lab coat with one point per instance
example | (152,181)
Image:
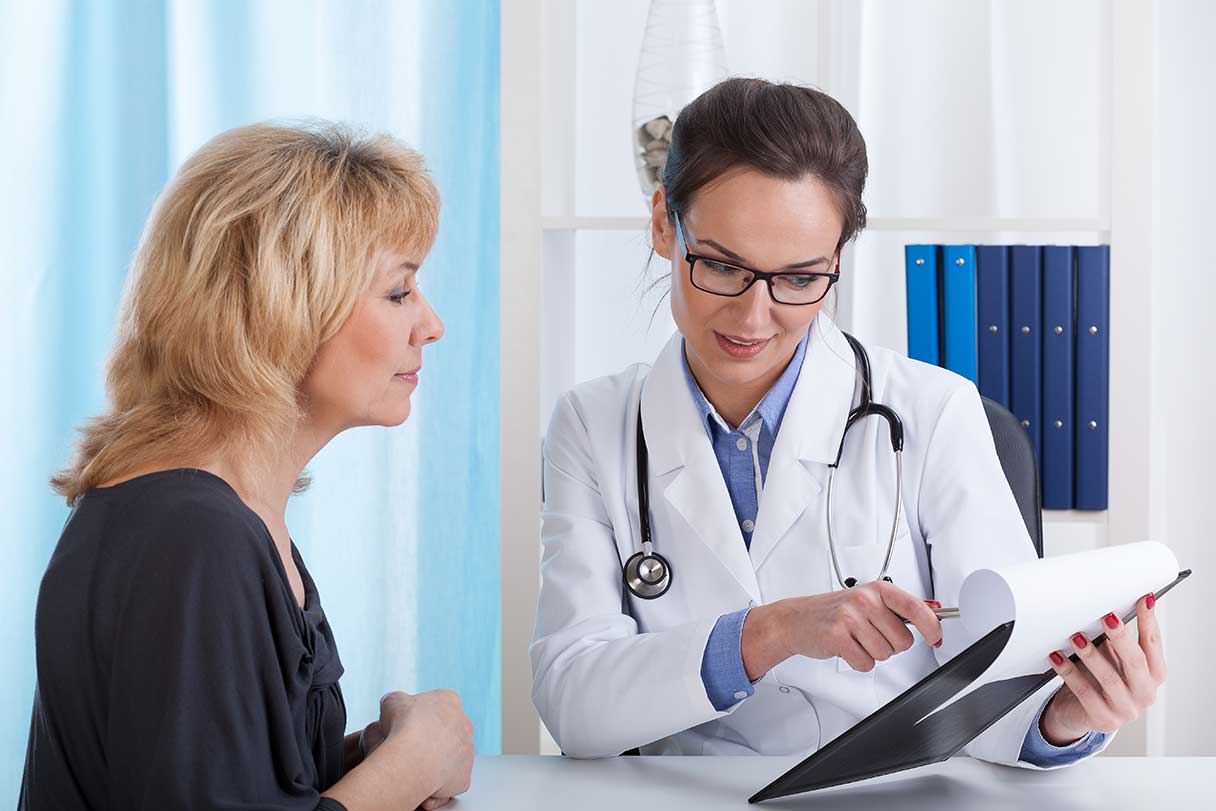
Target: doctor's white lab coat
(612,672)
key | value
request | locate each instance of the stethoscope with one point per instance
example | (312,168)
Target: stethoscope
(648,574)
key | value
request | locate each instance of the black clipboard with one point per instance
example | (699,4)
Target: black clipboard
(891,739)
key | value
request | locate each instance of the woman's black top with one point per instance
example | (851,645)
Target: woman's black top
(175,668)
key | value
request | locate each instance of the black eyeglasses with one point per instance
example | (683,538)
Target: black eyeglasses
(725,279)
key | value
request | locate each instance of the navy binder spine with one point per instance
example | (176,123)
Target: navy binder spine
(958,320)
(1093,376)
(1058,374)
(1026,348)
(920,274)
(992,303)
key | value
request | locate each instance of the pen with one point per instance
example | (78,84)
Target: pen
(941,613)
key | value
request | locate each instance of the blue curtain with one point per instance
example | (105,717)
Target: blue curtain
(104,101)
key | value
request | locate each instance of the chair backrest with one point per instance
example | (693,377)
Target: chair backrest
(1016,452)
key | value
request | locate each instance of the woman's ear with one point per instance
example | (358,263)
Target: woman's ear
(662,234)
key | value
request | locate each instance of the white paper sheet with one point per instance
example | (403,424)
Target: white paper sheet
(1053,598)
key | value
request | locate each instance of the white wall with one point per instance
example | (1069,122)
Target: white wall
(1184,336)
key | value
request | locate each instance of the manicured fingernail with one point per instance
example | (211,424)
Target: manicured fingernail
(1111,621)
(1056,659)
(938,643)
(1079,640)
(1150,601)
(933,603)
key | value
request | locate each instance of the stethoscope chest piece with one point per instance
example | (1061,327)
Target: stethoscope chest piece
(647,575)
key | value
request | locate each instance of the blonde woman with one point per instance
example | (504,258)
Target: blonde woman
(184,660)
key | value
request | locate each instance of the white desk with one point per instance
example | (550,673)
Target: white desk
(708,783)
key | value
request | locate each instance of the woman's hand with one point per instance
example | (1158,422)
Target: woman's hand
(861,625)
(442,734)
(1111,684)
(418,754)
(373,736)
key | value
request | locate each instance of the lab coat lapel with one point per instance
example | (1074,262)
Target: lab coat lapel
(810,434)
(683,465)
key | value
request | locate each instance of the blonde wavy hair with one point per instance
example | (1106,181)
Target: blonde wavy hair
(253,256)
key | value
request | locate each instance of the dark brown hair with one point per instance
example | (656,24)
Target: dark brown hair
(781,130)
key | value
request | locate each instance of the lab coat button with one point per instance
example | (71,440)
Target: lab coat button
(742,694)
(783,689)
(741,444)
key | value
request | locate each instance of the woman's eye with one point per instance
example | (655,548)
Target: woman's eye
(397,296)
(725,270)
(798,281)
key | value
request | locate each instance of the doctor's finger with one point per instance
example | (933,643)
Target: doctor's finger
(1121,644)
(914,609)
(1150,637)
(891,626)
(856,656)
(1091,699)
(1102,668)
(872,641)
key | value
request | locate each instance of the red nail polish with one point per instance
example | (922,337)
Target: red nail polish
(1056,659)
(1079,640)
(938,643)
(1150,601)
(1111,621)
(933,603)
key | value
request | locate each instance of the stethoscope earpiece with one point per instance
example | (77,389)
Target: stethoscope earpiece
(850,582)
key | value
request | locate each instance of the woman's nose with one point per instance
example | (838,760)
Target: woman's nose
(755,304)
(430,327)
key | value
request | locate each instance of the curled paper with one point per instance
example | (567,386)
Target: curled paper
(1049,600)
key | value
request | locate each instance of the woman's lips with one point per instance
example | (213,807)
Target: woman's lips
(408,377)
(741,348)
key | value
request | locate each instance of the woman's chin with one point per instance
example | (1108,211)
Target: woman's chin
(741,373)
(388,417)
(399,418)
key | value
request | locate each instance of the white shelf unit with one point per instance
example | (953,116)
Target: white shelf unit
(555,215)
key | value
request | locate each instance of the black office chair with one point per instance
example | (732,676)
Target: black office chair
(1016,452)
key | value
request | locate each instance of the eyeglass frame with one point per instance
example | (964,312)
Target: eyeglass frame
(691,258)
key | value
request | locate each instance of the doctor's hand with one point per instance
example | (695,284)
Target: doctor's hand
(861,625)
(1111,683)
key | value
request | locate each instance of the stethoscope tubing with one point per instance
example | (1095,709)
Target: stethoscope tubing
(648,590)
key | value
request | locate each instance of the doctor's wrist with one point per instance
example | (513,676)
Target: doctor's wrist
(1059,726)
(763,641)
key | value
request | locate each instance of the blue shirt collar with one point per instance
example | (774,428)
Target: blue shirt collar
(771,409)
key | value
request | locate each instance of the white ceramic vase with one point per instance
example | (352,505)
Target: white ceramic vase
(682,57)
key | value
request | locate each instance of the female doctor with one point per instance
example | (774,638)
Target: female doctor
(720,607)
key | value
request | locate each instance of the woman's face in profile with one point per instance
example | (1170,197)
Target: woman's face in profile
(750,220)
(366,373)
